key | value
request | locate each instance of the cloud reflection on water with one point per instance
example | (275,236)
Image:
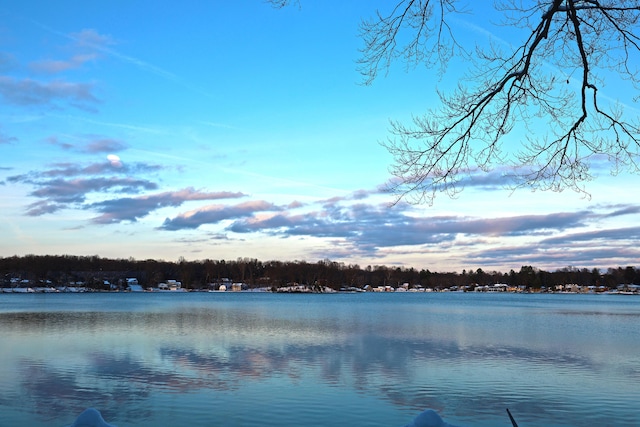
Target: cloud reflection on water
(124,360)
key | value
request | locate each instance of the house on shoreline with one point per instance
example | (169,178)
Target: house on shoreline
(133,285)
(170,286)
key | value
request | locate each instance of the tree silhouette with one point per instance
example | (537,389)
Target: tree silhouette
(535,109)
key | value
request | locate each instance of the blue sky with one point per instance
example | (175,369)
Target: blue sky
(232,129)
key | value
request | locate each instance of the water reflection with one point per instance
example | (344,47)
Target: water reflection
(127,362)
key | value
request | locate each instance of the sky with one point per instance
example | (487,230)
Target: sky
(231,129)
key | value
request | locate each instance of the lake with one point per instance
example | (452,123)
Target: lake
(248,359)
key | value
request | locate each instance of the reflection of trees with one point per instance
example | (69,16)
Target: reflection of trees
(365,365)
(374,365)
(379,366)
(402,364)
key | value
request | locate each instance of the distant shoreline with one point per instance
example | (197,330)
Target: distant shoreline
(294,290)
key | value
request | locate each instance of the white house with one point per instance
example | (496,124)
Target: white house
(133,285)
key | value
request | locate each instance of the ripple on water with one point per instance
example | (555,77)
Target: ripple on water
(362,360)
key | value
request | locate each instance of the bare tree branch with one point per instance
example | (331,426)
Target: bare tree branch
(440,149)
(282,3)
(542,95)
(429,39)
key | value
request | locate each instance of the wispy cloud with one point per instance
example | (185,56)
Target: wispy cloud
(90,145)
(605,236)
(216,213)
(88,45)
(134,208)
(93,169)
(7,139)
(496,179)
(218,125)
(29,92)
(103,145)
(625,210)
(373,227)
(59,194)
(7,62)
(126,126)
(554,256)
(99,43)
(54,66)
(367,228)
(67,185)
(355,195)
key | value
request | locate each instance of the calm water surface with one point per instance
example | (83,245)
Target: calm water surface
(247,359)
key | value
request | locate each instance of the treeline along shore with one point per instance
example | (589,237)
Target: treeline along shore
(105,274)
